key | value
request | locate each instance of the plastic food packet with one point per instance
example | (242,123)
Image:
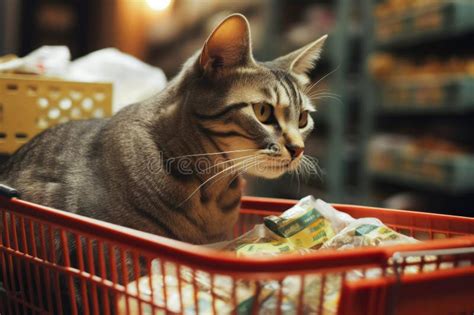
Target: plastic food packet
(309,223)
(367,232)
(219,295)
(307,299)
(259,241)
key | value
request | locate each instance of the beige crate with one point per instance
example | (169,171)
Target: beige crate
(29,105)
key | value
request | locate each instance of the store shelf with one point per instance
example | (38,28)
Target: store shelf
(425,23)
(453,173)
(451,95)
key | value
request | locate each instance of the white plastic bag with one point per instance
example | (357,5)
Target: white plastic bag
(47,60)
(133,79)
(367,232)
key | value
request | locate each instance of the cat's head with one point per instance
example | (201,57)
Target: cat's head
(258,111)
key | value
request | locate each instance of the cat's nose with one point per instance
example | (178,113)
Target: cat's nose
(294,150)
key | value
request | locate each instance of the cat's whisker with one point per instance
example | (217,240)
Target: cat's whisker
(238,159)
(323,93)
(298,179)
(321,90)
(310,167)
(305,172)
(313,96)
(324,77)
(327,96)
(213,153)
(302,171)
(213,177)
(239,172)
(313,165)
(228,161)
(243,170)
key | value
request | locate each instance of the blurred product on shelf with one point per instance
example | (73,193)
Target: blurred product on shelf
(430,143)
(387,8)
(318,20)
(385,66)
(429,161)
(398,21)
(435,83)
(415,146)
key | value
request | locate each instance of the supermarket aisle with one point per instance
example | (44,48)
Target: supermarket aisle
(420,95)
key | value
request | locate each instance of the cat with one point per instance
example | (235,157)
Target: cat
(222,106)
(172,164)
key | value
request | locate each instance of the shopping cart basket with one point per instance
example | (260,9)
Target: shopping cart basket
(100,262)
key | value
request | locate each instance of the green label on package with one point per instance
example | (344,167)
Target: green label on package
(304,228)
(365,229)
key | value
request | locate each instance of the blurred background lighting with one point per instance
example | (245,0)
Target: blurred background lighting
(158,5)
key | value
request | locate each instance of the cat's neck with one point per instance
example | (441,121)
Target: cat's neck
(155,148)
(186,150)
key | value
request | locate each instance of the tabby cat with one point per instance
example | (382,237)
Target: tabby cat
(223,108)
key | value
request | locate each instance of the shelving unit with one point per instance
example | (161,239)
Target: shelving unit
(447,99)
(428,22)
(450,95)
(329,142)
(451,174)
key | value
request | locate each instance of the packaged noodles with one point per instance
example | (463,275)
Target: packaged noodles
(259,241)
(180,297)
(250,296)
(301,229)
(309,223)
(308,226)
(367,232)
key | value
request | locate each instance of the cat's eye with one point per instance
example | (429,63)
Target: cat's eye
(303,121)
(264,112)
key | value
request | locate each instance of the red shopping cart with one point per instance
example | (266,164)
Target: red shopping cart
(433,277)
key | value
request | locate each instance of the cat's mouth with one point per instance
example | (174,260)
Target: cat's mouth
(275,165)
(272,167)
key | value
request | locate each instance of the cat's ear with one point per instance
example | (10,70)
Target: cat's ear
(229,45)
(302,60)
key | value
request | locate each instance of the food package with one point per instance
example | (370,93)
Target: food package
(259,241)
(219,295)
(304,295)
(367,232)
(309,223)
(301,229)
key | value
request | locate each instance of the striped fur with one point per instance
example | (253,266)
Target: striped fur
(117,169)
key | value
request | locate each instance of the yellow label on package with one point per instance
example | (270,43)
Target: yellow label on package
(303,227)
(270,248)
